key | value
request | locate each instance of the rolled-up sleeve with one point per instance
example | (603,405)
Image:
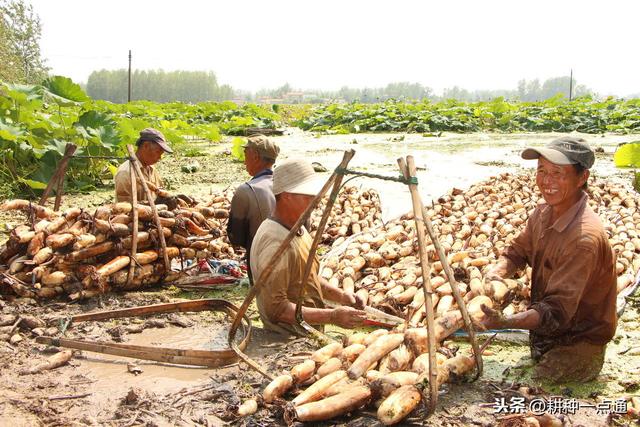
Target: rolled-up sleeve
(566,285)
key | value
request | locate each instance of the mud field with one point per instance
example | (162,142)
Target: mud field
(96,389)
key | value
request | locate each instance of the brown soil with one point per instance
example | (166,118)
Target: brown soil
(95,389)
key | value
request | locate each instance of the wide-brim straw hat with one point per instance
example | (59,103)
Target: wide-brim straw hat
(296,176)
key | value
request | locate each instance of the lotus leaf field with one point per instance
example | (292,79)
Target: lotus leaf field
(37,121)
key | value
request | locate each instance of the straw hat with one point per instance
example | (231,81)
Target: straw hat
(296,176)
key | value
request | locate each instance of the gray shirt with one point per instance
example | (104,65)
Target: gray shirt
(252,203)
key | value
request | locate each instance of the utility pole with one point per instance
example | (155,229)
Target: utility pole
(571,85)
(129,91)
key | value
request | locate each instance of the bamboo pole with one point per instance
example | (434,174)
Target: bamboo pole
(267,272)
(456,292)
(408,170)
(134,220)
(346,158)
(163,243)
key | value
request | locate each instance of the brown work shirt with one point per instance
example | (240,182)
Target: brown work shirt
(123,182)
(573,282)
(284,283)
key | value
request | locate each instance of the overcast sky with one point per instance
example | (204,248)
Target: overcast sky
(327,44)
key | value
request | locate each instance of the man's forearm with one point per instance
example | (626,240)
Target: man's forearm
(529,319)
(313,316)
(505,268)
(331,292)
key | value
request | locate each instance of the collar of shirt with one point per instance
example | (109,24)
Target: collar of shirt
(563,222)
(263,172)
(300,231)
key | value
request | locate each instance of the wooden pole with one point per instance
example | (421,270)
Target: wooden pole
(163,243)
(253,291)
(134,219)
(346,158)
(571,85)
(456,292)
(408,170)
(59,191)
(129,86)
(58,175)
(212,358)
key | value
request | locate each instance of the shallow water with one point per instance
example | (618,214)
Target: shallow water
(450,160)
(111,374)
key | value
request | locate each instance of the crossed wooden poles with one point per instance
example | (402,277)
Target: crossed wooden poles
(57,181)
(421,217)
(423,223)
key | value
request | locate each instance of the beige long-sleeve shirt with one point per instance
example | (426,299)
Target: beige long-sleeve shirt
(123,182)
(283,285)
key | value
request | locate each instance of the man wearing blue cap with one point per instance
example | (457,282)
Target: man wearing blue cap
(572,315)
(151,145)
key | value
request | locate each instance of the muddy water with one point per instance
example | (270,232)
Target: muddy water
(112,377)
(450,160)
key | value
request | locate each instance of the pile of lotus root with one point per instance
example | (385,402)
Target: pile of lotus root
(474,227)
(82,253)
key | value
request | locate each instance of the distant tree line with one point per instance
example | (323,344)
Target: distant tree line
(398,90)
(197,86)
(526,91)
(531,90)
(157,85)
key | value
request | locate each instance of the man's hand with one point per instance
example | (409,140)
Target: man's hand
(493,319)
(189,200)
(352,300)
(493,274)
(170,201)
(347,317)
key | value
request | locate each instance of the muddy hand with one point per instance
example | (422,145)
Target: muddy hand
(347,317)
(360,302)
(493,319)
(493,275)
(352,300)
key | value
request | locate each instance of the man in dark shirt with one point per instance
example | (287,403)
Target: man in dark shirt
(572,314)
(253,201)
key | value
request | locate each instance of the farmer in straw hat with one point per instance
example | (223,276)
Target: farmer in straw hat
(295,184)
(572,315)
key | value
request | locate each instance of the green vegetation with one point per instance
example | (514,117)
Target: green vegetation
(628,156)
(37,121)
(552,115)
